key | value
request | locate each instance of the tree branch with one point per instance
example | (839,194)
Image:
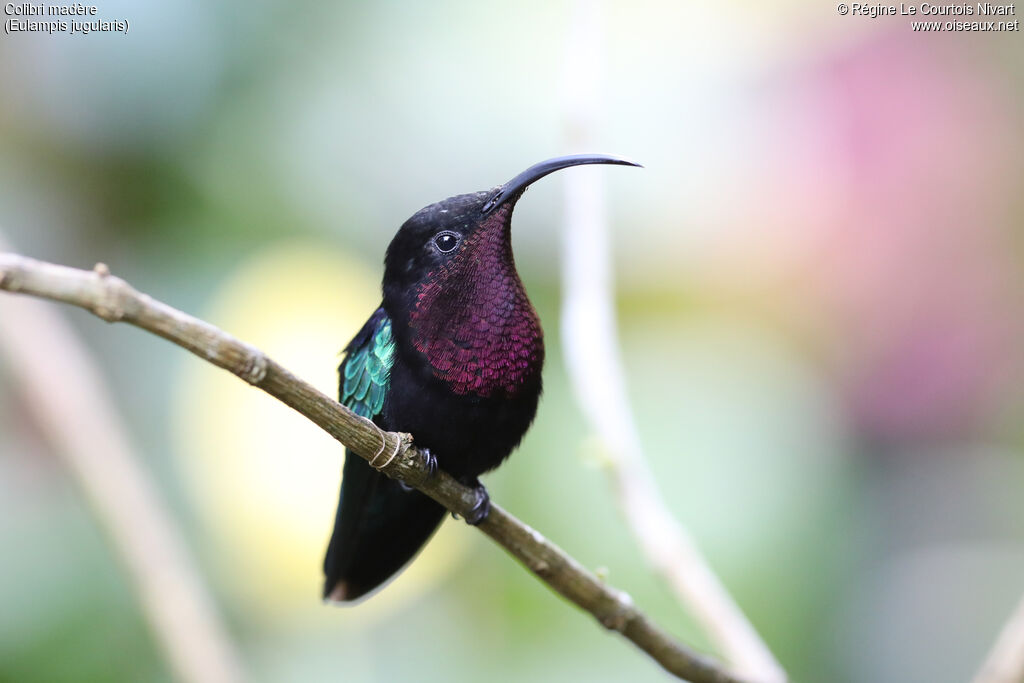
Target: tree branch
(68,397)
(112,299)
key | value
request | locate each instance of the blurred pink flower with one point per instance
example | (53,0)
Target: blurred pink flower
(898,170)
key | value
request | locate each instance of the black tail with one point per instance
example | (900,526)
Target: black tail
(379,527)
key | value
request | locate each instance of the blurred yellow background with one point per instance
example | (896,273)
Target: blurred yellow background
(819,276)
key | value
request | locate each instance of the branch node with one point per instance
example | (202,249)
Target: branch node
(109,304)
(623,612)
(540,567)
(255,368)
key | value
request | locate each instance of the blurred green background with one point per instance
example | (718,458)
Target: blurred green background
(819,279)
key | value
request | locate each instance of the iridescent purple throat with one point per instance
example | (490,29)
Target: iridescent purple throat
(473,321)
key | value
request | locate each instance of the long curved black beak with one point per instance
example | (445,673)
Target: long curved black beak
(513,188)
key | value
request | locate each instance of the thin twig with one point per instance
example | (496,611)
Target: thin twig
(1005,662)
(115,301)
(593,359)
(71,400)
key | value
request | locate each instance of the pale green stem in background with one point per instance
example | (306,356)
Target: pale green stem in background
(594,361)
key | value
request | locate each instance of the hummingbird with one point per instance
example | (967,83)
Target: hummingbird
(453,355)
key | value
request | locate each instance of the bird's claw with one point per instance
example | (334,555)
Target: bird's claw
(431,462)
(478,513)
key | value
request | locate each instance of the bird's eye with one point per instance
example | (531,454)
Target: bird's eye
(446,241)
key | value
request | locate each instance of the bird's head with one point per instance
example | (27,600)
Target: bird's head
(466,237)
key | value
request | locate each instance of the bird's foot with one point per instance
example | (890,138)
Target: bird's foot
(430,460)
(478,513)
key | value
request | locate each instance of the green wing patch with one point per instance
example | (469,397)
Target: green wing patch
(366,372)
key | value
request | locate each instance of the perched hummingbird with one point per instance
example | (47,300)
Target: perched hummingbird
(453,356)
